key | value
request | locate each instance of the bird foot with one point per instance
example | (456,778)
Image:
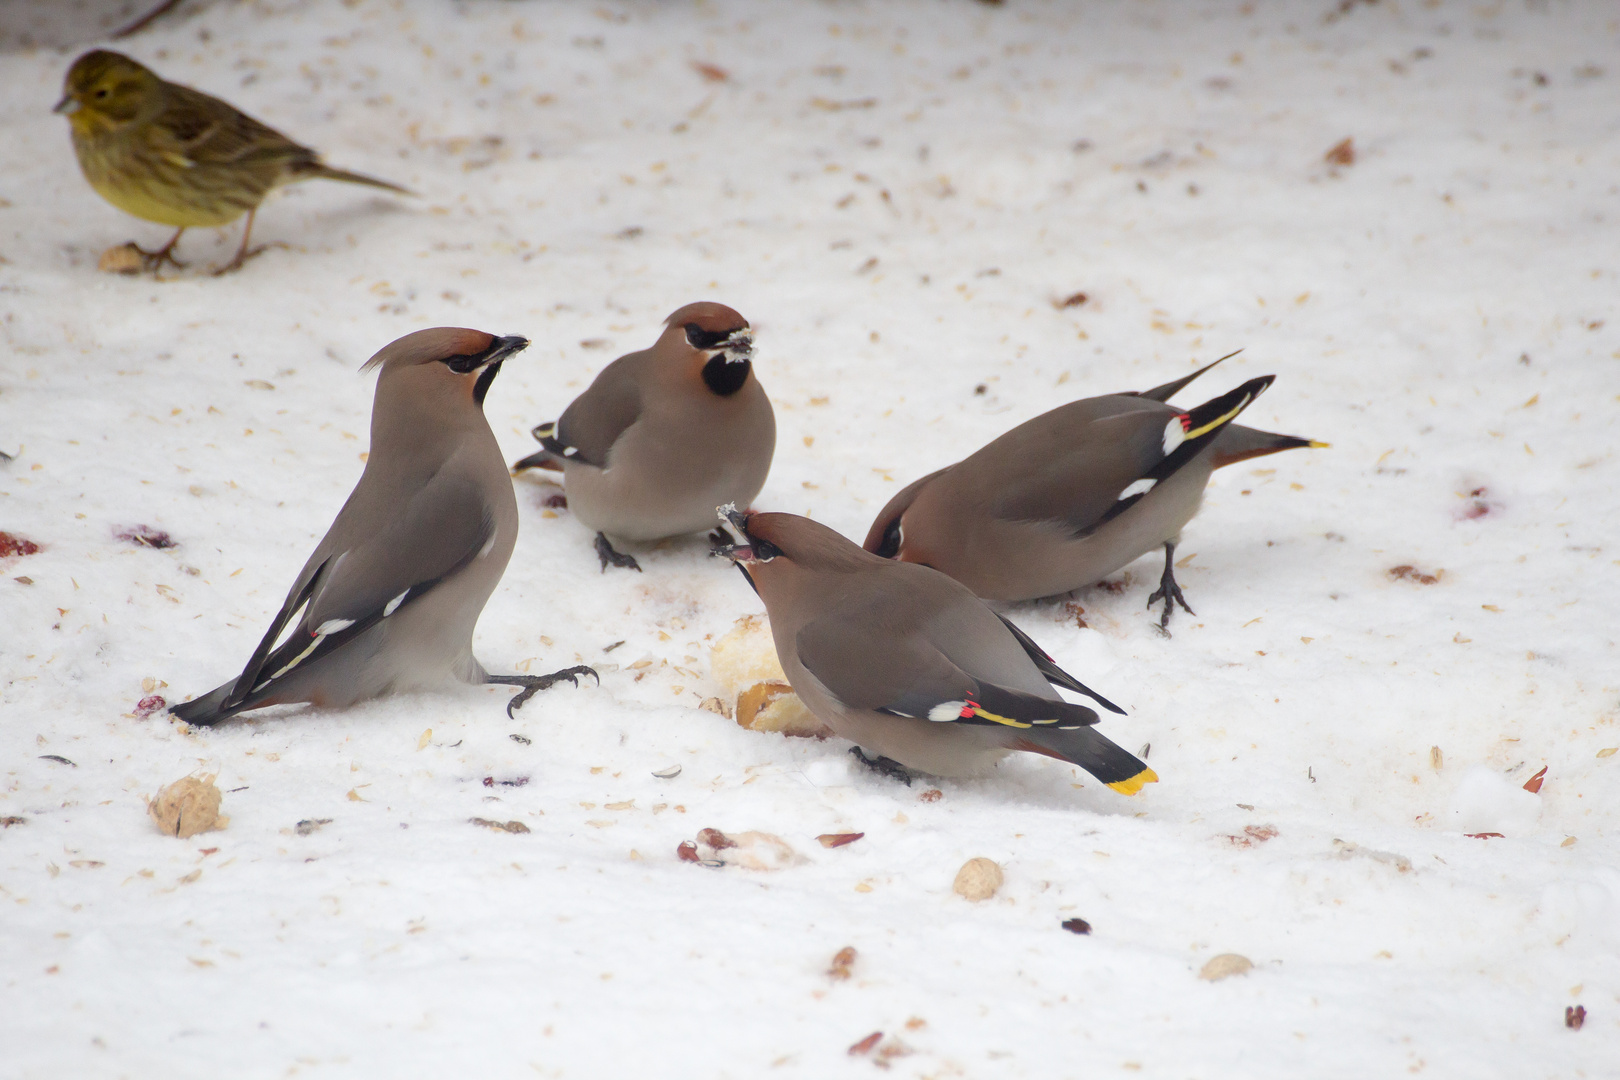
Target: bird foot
(610,557)
(1170,593)
(883,765)
(533,684)
(152,261)
(242,257)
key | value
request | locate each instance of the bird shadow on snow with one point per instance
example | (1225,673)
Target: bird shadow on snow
(686,553)
(204,249)
(1043,784)
(344,213)
(378,715)
(1032,784)
(289,223)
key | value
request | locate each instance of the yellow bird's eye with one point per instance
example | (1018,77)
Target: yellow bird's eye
(102,92)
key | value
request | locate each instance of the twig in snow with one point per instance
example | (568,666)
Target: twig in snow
(146,20)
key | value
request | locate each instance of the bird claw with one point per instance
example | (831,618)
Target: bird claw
(243,256)
(1170,593)
(152,261)
(609,556)
(883,766)
(533,684)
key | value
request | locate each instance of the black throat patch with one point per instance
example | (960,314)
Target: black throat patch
(485,377)
(725,377)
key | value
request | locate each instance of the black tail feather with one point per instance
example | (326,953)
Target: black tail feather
(1164,393)
(207,710)
(1050,670)
(1092,751)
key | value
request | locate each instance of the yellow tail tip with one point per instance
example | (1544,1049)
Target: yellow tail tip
(1317,445)
(1134,784)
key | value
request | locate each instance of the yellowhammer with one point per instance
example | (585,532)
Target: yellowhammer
(176,156)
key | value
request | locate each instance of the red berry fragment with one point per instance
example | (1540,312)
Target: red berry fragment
(16,545)
(715,838)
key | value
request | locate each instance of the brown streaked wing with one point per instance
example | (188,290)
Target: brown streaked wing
(208,131)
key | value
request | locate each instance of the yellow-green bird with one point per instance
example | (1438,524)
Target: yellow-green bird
(177,156)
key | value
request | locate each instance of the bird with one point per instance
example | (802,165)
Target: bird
(663,436)
(909,664)
(177,156)
(1065,499)
(388,600)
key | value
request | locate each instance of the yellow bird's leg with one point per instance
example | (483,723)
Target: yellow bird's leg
(242,253)
(154,260)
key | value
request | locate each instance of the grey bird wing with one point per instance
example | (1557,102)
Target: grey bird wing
(441,529)
(1117,459)
(868,665)
(1077,476)
(593,423)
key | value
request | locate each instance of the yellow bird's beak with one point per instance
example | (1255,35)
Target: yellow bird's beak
(67,106)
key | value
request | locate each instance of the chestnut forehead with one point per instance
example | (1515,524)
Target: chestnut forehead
(459,341)
(766,526)
(714,318)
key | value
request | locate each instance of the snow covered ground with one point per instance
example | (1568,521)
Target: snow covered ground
(899,195)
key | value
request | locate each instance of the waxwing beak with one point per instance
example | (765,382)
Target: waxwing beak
(739,346)
(726,545)
(502,347)
(68,105)
(491,358)
(751,549)
(744,554)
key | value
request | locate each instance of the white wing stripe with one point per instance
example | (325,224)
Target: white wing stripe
(1138,487)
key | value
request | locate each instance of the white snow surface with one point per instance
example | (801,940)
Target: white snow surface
(897,195)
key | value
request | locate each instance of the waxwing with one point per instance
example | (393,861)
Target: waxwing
(389,599)
(663,436)
(908,663)
(1067,498)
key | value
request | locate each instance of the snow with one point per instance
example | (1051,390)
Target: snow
(896,195)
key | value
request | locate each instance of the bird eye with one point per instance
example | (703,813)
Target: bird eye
(889,546)
(102,92)
(699,338)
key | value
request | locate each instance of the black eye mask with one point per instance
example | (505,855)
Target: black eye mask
(699,338)
(889,546)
